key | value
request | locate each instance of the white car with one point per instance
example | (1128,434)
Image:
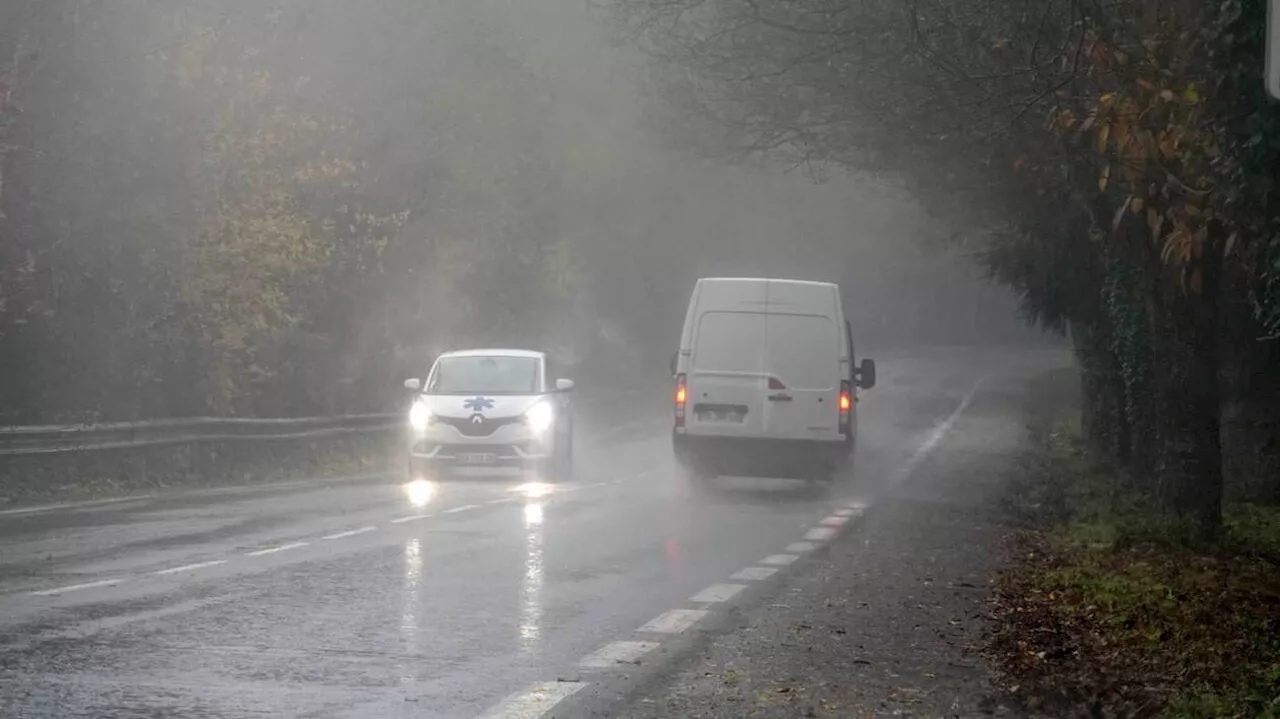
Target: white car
(491,408)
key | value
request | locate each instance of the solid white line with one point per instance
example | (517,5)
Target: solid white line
(349,533)
(924,449)
(74,505)
(834,521)
(801,547)
(76,587)
(779,559)
(754,574)
(717,593)
(463,508)
(410,518)
(674,621)
(273,550)
(189,567)
(501,500)
(611,655)
(820,533)
(534,701)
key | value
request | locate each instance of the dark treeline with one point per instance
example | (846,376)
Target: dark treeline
(1116,164)
(280,207)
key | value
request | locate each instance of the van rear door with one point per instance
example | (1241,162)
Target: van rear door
(802,368)
(726,379)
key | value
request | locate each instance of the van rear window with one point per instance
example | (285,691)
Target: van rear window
(729,342)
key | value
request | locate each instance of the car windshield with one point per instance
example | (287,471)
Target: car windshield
(490,374)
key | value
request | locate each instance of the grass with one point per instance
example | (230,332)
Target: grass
(1112,605)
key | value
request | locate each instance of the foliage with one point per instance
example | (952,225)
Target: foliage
(1110,605)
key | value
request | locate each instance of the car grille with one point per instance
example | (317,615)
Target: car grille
(485,427)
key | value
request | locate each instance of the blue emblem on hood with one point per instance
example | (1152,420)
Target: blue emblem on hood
(478,404)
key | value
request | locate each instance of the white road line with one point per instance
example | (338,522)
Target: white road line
(642,475)
(754,574)
(779,559)
(534,701)
(818,534)
(273,550)
(611,655)
(801,547)
(411,518)
(501,500)
(674,621)
(717,593)
(190,567)
(77,587)
(848,512)
(463,508)
(924,449)
(349,533)
(834,521)
(855,506)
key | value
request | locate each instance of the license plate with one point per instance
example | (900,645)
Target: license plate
(736,417)
(477,458)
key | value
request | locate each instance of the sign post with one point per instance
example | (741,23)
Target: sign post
(1273,49)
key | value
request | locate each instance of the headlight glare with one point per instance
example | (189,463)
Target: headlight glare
(540,416)
(419,416)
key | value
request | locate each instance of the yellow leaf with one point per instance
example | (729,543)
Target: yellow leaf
(1104,177)
(1136,204)
(1167,95)
(1190,95)
(1192,210)
(1103,133)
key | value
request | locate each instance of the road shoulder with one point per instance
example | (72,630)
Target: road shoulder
(890,618)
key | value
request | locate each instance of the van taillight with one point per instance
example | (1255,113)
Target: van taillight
(846,404)
(682,393)
(775,383)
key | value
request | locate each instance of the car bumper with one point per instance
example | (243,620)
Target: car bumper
(759,457)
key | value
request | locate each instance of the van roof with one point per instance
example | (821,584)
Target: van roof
(532,354)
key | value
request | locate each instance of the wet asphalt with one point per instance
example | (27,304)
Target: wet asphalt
(377,597)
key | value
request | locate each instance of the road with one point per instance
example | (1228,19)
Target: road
(496,596)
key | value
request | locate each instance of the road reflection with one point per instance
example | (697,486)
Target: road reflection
(411,606)
(531,584)
(419,492)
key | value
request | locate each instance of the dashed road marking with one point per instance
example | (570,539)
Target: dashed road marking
(411,518)
(779,560)
(754,574)
(674,621)
(349,533)
(857,506)
(77,587)
(717,593)
(834,521)
(615,653)
(801,547)
(273,550)
(818,534)
(463,508)
(190,567)
(848,512)
(535,701)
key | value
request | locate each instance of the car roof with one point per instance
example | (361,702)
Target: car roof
(532,354)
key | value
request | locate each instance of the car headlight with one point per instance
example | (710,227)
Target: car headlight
(419,416)
(540,416)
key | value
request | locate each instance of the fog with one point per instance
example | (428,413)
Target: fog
(274,208)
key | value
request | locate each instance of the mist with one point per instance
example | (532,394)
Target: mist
(282,208)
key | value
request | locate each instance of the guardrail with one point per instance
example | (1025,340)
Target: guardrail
(55,439)
(59,439)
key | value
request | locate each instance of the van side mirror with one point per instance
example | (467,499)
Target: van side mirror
(674,362)
(564,385)
(414,384)
(867,374)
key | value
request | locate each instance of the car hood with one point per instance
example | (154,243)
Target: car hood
(488,405)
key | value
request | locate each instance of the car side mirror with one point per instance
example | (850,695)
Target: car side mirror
(867,374)
(564,385)
(414,384)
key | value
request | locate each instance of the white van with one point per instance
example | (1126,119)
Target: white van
(765,380)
